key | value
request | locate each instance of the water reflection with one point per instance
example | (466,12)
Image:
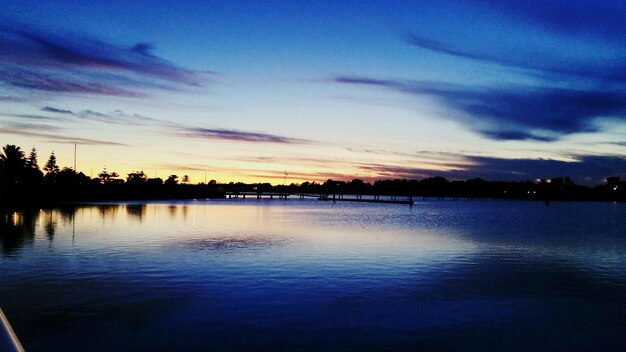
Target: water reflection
(451,226)
(232,243)
(308,275)
(17,229)
(51,224)
(136,211)
(108,211)
(173,209)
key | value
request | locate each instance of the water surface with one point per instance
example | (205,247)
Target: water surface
(309,275)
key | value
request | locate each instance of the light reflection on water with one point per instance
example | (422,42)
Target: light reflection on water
(308,275)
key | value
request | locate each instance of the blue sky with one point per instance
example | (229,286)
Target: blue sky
(245,90)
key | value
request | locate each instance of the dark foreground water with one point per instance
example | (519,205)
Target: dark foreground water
(307,275)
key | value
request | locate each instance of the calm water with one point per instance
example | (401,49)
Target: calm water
(309,275)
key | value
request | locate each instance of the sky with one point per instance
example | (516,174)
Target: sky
(276,91)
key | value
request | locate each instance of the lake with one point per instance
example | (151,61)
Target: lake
(285,275)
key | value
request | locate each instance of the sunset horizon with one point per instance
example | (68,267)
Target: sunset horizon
(340,91)
(228,175)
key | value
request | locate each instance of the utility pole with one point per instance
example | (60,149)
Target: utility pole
(74,157)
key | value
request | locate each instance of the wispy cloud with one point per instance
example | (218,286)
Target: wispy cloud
(515,112)
(29,116)
(236,135)
(57,138)
(120,117)
(56,111)
(567,88)
(30,126)
(602,21)
(12,99)
(114,117)
(72,63)
(608,70)
(42,81)
(186,167)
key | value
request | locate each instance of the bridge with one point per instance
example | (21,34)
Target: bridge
(338,197)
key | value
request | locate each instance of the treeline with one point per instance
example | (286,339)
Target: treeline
(559,188)
(23,182)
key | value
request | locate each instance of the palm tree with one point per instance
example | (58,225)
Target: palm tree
(12,163)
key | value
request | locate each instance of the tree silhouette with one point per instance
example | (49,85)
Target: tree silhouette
(32,159)
(33,175)
(185,179)
(69,177)
(108,178)
(137,177)
(12,163)
(51,168)
(171,180)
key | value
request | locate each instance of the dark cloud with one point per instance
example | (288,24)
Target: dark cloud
(52,82)
(55,110)
(516,112)
(236,135)
(509,135)
(608,70)
(578,86)
(72,63)
(434,45)
(603,20)
(584,169)
(588,170)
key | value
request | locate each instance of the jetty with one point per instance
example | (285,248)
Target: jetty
(336,197)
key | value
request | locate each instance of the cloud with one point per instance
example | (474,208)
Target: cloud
(114,117)
(57,138)
(236,135)
(55,110)
(603,21)
(575,84)
(29,116)
(515,112)
(12,99)
(72,63)
(30,126)
(120,117)
(48,82)
(583,169)
(181,167)
(608,70)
